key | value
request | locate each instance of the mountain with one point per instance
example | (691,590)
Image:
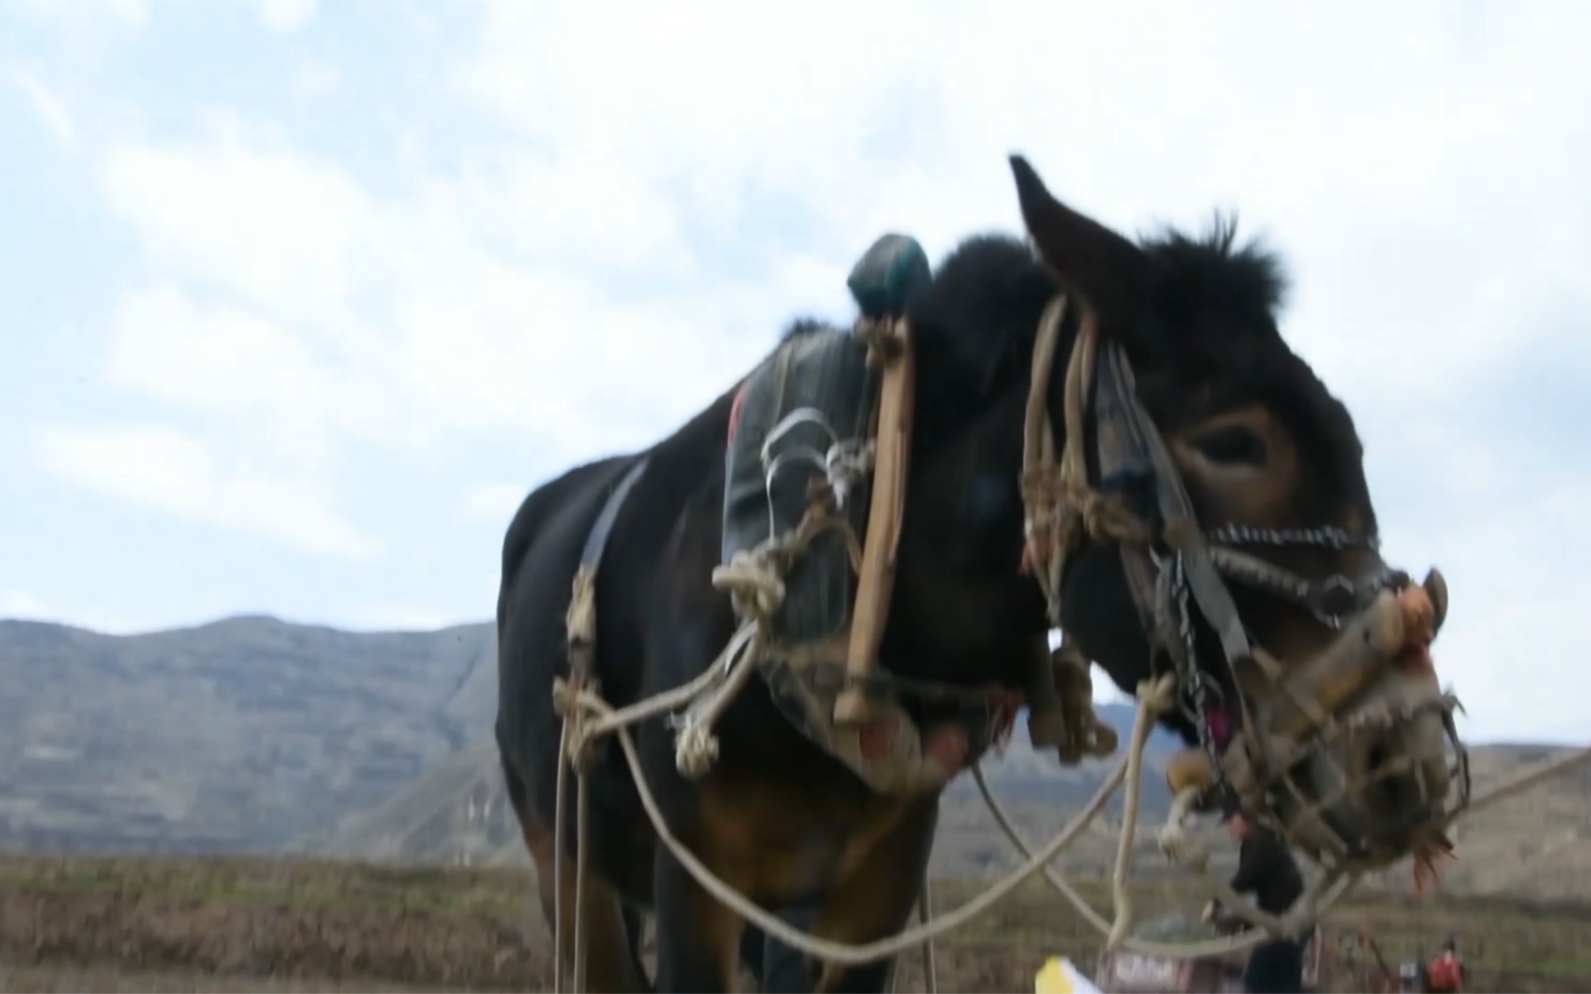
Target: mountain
(237,736)
(254,735)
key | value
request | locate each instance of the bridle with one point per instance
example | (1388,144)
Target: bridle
(1173,566)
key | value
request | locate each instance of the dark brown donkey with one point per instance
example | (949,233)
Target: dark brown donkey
(1272,471)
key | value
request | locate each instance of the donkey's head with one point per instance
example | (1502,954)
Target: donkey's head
(1251,568)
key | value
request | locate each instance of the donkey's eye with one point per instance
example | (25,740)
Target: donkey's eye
(1232,446)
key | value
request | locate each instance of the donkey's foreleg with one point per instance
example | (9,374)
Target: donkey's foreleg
(698,938)
(611,965)
(781,969)
(876,899)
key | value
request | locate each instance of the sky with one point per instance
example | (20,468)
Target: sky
(301,298)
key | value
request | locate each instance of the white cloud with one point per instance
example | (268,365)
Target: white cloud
(225,361)
(47,104)
(1517,620)
(286,15)
(242,212)
(312,79)
(385,617)
(172,471)
(401,321)
(1430,197)
(494,501)
(903,118)
(22,605)
(657,200)
(130,12)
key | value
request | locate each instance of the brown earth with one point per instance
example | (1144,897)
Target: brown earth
(150,924)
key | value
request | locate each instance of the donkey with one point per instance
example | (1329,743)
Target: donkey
(1263,452)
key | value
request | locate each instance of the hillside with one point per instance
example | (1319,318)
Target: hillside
(253,735)
(1538,843)
(257,735)
(237,736)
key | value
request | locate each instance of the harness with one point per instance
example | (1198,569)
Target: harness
(1176,569)
(841,403)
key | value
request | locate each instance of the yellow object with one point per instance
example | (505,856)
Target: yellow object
(1059,976)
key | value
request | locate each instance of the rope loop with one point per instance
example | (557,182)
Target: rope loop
(695,750)
(1154,698)
(754,579)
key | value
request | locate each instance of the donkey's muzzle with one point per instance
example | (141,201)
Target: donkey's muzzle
(1392,635)
(1353,750)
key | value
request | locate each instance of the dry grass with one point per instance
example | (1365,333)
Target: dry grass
(322,924)
(109,924)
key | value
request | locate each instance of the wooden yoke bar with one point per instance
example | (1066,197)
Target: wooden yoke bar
(876,579)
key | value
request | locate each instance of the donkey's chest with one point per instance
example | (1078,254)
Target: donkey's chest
(790,842)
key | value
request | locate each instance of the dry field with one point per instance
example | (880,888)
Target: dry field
(109,924)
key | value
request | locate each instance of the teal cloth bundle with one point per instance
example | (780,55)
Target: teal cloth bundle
(887,274)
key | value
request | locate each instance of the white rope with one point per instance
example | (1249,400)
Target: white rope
(842,953)
(1326,891)
(824,949)
(925,914)
(1524,780)
(754,580)
(1320,897)
(560,797)
(1330,892)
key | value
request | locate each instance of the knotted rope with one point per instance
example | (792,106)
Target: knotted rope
(755,577)
(1061,508)
(1153,699)
(1062,511)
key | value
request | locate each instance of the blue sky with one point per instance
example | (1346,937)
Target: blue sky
(302,297)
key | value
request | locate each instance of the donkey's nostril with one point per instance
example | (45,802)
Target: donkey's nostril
(1377,758)
(1386,775)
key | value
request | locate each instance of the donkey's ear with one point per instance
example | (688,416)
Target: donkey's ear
(1088,258)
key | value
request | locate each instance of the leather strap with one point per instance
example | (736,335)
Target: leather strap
(876,577)
(580,623)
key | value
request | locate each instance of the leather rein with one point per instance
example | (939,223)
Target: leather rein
(1173,566)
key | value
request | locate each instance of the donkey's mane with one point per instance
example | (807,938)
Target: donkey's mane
(1207,315)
